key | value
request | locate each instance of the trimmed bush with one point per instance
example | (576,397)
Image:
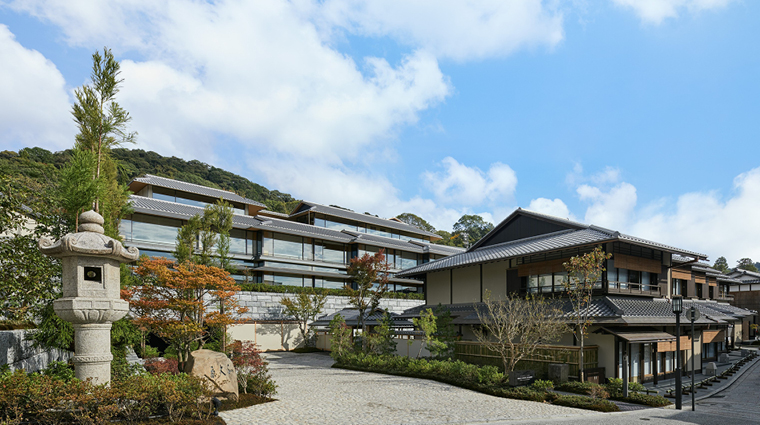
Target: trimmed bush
(286,289)
(588,403)
(645,399)
(577,387)
(542,385)
(615,387)
(524,393)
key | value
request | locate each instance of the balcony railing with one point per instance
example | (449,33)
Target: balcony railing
(633,288)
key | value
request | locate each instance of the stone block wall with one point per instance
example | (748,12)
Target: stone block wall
(266,305)
(19,353)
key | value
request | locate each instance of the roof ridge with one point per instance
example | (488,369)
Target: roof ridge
(532,238)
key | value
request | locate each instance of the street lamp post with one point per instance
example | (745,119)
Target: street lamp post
(677,310)
(693,316)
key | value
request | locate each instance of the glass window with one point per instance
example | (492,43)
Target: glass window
(281,279)
(545,282)
(634,276)
(288,246)
(329,252)
(324,282)
(237,241)
(647,359)
(320,222)
(409,259)
(635,359)
(533,284)
(559,281)
(151,253)
(339,226)
(267,245)
(623,278)
(155,229)
(125,229)
(191,202)
(308,250)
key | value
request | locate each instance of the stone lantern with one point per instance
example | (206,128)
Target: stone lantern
(91,292)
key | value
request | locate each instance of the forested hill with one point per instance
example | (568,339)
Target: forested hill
(39,163)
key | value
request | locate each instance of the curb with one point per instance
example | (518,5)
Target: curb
(743,372)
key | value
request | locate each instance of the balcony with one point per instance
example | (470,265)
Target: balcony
(629,288)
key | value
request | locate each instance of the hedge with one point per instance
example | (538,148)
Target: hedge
(485,379)
(286,289)
(581,402)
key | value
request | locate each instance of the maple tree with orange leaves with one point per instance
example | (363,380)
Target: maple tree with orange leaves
(180,302)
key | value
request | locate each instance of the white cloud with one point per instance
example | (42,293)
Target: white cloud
(655,11)
(35,106)
(612,208)
(469,186)
(451,28)
(553,207)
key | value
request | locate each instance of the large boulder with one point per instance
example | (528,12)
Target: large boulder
(216,369)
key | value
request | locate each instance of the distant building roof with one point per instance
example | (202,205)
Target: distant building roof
(194,188)
(374,318)
(304,206)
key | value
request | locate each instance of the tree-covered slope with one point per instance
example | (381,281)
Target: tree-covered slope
(39,163)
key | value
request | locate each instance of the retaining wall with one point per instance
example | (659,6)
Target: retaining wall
(266,305)
(19,353)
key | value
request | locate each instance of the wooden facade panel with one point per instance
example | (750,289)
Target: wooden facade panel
(712,281)
(671,345)
(637,263)
(700,279)
(680,274)
(544,267)
(713,336)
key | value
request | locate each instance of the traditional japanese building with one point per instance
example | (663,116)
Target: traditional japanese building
(631,307)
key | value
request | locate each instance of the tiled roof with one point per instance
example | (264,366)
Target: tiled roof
(364,218)
(580,234)
(351,316)
(527,246)
(195,188)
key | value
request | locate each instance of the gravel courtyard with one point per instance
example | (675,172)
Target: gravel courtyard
(310,392)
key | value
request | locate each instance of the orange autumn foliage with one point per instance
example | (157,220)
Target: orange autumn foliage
(180,302)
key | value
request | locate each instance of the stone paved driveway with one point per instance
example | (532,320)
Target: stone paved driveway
(310,392)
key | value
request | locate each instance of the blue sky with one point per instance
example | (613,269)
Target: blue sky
(636,115)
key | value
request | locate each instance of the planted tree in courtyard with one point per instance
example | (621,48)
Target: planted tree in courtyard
(370,275)
(427,324)
(205,239)
(178,302)
(514,327)
(304,307)
(102,125)
(584,272)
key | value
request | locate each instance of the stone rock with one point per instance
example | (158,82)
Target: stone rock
(559,372)
(216,369)
(723,358)
(711,369)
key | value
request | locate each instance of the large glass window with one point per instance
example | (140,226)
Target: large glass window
(409,259)
(378,232)
(545,282)
(155,229)
(267,244)
(324,282)
(329,252)
(238,241)
(288,246)
(281,279)
(533,284)
(559,281)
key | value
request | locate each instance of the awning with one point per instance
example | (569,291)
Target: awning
(641,336)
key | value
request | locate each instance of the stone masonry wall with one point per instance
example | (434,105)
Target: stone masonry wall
(19,353)
(266,305)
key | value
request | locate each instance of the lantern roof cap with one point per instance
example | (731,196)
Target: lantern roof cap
(89,241)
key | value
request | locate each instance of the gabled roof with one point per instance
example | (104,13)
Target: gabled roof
(150,179)
(574,235)
(313,207)
(371,318)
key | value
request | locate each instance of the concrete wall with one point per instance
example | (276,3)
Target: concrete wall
(18,352)
(495,279)
(439,287)
(606,352)
(466,285)
(266,305)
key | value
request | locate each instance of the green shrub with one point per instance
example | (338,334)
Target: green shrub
(542,385)
(524,393)
(59,370)
(577,387)
(588,403)
(615,387)
(645,399)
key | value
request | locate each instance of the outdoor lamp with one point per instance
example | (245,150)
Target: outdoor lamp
(677,310)
(677,304)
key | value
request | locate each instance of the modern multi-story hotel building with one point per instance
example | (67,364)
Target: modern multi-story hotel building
(312,246)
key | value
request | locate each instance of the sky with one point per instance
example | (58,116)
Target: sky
(636,115)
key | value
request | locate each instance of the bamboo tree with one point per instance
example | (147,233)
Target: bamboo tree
(583,272)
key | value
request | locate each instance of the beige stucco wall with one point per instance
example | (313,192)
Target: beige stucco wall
(439,287)
(268,336)
(606,344)
(466,285)
(495,279)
